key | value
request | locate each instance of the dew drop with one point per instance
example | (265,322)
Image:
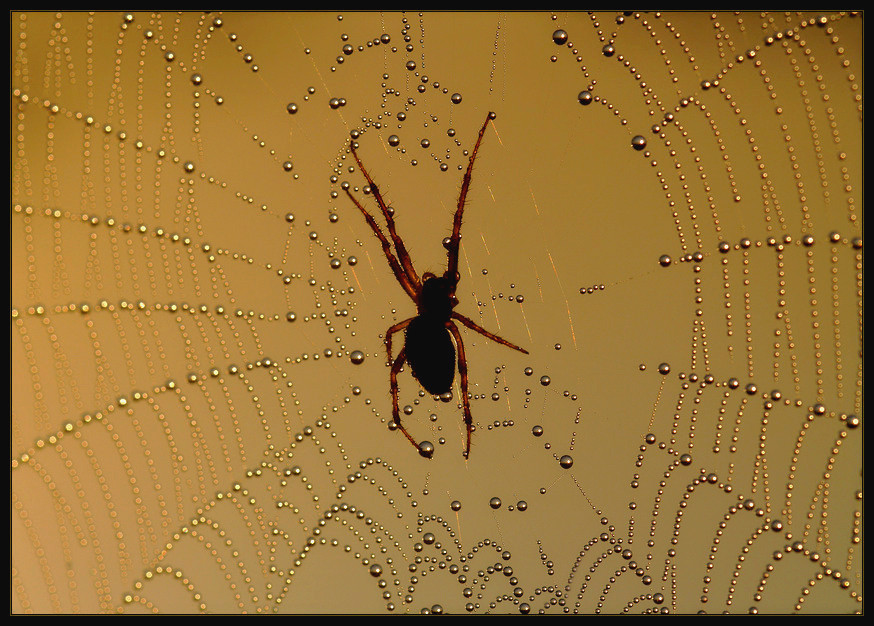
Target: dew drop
(426,449)
(559,37)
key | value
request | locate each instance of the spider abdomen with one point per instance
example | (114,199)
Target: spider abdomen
(430,353)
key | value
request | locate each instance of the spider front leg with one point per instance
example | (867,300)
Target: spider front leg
(462,371)
(452,246)
(407,282)
(403,256)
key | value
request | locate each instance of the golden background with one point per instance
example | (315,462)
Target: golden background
(193,430)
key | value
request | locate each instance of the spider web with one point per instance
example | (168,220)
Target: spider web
(665,213)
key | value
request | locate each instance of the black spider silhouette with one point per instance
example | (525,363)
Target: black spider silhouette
(429,335)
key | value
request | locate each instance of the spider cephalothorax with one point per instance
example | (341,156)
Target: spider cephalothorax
(437,296)
(429,336)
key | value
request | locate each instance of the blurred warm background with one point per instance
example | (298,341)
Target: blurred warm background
(666,213)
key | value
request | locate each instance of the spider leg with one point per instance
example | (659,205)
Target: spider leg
(396,268)
(403,255)
(454,240)
(391,331)
(395,411)
(462,371)
(482,331)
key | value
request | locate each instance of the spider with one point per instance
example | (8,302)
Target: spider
(429,336)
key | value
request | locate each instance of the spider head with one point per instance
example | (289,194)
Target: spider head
(438,295)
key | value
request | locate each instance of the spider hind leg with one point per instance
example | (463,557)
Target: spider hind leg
(425,448)
(462,371)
